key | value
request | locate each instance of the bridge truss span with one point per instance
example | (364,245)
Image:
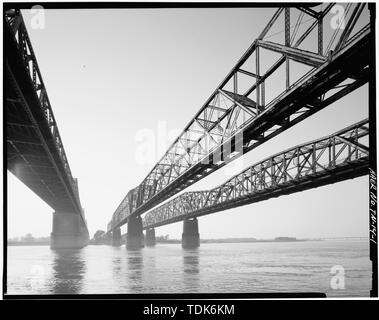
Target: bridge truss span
(35,152)
(33,140)
(343,155)
(246,109)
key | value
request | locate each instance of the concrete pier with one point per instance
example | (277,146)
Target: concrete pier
(134,237)
(190,235)
(150,237)
(69,231)
(116,237)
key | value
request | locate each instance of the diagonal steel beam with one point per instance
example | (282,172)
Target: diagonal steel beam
(233,192)
(354,144)
(309,12)
(350,26)
(302,56)
(237,103)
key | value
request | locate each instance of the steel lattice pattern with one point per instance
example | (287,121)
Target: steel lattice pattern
(324,160)
(35,152)
(243,112)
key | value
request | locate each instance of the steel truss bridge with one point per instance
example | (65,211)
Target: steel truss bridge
(343,155)
(35,152)
(243,112)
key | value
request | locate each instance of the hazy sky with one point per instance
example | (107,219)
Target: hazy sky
(111,73)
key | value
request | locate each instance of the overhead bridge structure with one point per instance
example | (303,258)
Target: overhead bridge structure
(35,152)
(343,155)
(247,109)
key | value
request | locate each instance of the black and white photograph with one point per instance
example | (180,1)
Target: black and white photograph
(203,150)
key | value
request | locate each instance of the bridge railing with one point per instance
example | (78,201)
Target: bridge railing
(15,22)
(288,167)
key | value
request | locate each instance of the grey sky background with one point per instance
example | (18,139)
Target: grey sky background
(111,73)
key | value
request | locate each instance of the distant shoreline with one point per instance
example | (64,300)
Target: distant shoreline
(226,240)
(239,240)
(172,241)
(26,243)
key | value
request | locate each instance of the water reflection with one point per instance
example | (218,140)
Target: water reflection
(116,265)
(191,271)
(69,268)
(135,267)
(169,269)
(150,270)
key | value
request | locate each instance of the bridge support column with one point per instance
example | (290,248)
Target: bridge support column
(116,237)
(190,235)
(68,231)
(150,237)
(134,236)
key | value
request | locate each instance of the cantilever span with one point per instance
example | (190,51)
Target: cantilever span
(35,152)
(340,156)
(242,113)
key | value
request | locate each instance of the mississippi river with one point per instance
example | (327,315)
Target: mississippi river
(214,267)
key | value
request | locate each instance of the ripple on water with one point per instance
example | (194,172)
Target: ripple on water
(167,268)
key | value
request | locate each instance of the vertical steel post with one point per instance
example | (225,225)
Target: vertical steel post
(298,162)
(356,140)
(257,86)
(235,82)
(34,76)
(349,152)
(314,158)
(263,94)
(273,177)
(287,43)
(329,155)
(320,35)
(334,152)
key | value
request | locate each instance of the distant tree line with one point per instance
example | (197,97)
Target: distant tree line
(162,238)
(29,238)
(101,237)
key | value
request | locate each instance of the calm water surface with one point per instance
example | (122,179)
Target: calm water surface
(167,268)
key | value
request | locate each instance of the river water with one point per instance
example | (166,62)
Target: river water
(214,267)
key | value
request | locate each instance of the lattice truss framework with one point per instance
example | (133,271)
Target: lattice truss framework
(243,111)
(15,22)
(291,167)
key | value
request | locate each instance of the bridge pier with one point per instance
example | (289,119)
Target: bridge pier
(134,237)
(150,237)
(68,231)
(190,235)
(116,237)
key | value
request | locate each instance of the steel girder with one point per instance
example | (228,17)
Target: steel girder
(35,152)
(235,120)
(337,157)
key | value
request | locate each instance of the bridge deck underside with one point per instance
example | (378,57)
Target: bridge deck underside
(32,155)
(28,160)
